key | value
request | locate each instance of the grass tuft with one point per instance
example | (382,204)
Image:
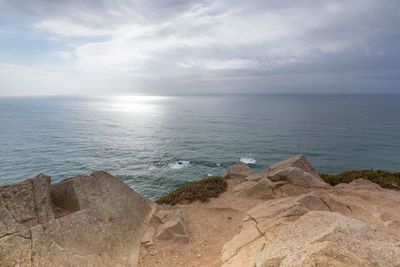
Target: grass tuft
(198,190)
(380,177)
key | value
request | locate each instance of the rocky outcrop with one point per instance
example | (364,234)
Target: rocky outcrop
(285,215)
(91,220)
(174,230)
(298,161)
(290,177)
(306,222)
(170,226)
(321,238)
(239,171)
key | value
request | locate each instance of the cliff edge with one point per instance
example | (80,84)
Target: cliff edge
(285,215)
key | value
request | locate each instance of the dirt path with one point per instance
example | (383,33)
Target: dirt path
(210,226)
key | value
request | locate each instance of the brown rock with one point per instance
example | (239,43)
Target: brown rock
(174,228)
(324,238)
(100,222)
(148,236)
(41,188)
(239,171)
(19,200)
(263,189)
(298,161)
(298,177)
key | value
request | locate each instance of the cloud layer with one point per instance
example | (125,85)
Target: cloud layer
(204,46)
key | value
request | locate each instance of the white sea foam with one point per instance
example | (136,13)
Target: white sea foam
(248,159)
(152,168)
(180,164)
(218,164)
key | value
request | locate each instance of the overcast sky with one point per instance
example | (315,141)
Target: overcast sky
(183,46)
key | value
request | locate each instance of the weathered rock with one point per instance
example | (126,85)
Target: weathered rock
(275,233)
(257,176)
(298,177)
(330,239)
(239,171)
(240,187)
(41,189)
(285,232)
(99,221)
(291,177)
(298,161)
(166,215)
(148,236)
(173,227)
(263,189)
(25,204)
(162,215)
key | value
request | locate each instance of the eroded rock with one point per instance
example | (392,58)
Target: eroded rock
(239,171)
(298,177)
(316,224)
(173,227)
(298,161)
(321,238)
(99,221)
(291,177)
(263,189)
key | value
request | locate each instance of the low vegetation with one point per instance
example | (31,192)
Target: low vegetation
(198,190)
(383,178)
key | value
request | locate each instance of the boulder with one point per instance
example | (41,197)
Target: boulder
(239,171)
(298,161)
(25,204)
(298,177)
(173,227)
(291,177)
(93,220)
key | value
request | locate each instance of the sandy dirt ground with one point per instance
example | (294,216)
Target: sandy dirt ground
(223,219)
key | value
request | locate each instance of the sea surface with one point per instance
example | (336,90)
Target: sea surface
(154,143)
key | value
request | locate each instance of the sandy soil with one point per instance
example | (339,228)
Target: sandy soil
(222,217)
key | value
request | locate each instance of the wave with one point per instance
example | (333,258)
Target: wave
(248,159)
(180,164)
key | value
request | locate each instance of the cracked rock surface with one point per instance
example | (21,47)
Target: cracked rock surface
(283,216)
(93,220)
(305,222)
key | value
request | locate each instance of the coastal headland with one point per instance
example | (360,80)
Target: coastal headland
(286,215)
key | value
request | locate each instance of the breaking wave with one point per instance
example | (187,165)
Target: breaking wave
(180,164)
(248,159)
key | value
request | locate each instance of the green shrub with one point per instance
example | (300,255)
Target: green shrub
(198,190)
(383,178)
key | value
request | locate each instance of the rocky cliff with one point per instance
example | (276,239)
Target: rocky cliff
(285,215)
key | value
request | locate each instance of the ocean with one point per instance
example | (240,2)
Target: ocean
(154,143)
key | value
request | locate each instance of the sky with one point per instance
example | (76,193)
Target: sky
(99,47)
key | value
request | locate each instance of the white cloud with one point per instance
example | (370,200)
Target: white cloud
(64,28)
(128,40)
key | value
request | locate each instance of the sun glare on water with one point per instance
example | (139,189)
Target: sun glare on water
(135,103)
